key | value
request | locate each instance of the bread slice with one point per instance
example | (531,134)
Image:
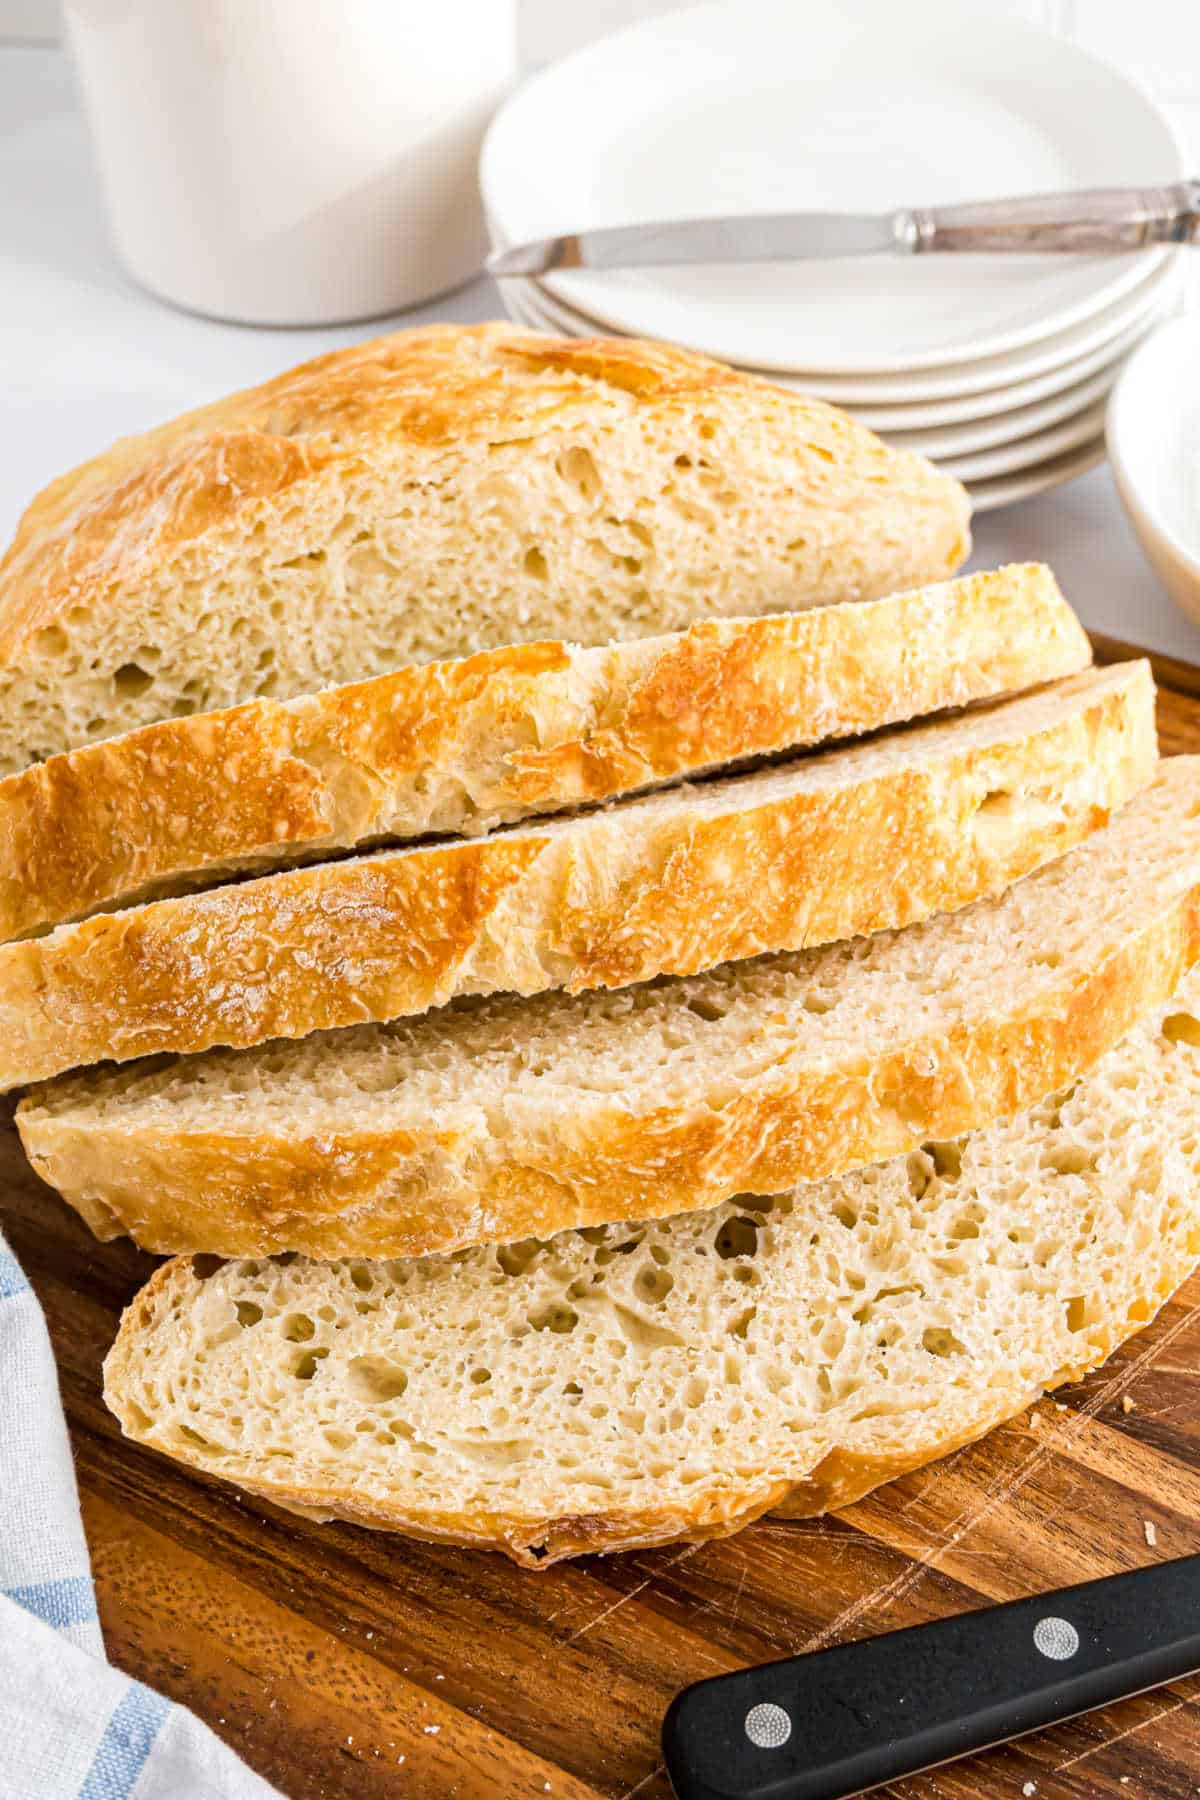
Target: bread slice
(624,1387)
(490,1121)
(465,746)
(433,493)
(874,835)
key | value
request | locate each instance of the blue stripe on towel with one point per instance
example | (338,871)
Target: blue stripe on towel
(12,1276)
(127,1742)
(71,1601)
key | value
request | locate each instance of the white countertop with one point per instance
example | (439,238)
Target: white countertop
(85,357)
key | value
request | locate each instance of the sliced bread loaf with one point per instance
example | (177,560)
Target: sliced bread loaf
(618,1388)
(433,493)
(464,746)
(490,1121)
(849,841)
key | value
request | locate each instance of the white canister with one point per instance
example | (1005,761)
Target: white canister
(293,162)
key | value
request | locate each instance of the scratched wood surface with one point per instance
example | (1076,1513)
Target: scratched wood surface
(344,1663)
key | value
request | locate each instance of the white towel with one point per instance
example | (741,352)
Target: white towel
(73,1727)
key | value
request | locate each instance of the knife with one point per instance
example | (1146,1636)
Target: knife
(837,1722)
(1096,219)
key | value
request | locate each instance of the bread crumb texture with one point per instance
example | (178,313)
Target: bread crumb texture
(637,1383)
(850,840)
(466,745)
(491,1119)
(433,493)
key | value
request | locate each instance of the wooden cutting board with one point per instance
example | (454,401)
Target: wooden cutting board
(344,1663)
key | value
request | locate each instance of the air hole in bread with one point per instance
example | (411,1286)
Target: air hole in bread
(196,1438)
(939,1341)
(375,1379)
(740,1324)
(298,1328)
(1182,1028)
(606,1253)
(920,1174)
(248,1313)
(654,1284)
(536,564)
(737,1237)
(1076,1313)
(1068,1159)
(205,1266)
(130,680)
(555,1316)
(52,640)
(706,1006)
(577,467)
(642,1334)
(479,1376)
(946,1159)
(516,1258)
(305,1365)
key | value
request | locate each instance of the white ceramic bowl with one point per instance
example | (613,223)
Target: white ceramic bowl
(1153,433)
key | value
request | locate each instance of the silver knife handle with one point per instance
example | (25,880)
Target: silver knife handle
(1096,219)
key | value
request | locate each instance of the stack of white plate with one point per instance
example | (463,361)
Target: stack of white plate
(997,367)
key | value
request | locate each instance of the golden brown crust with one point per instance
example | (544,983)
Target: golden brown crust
(606,900)
(842,1476)
(508,733)
(118,519)
(332,1193)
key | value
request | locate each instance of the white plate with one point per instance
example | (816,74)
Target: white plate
(1022,393)
(949,383)
(1027,453)
(1008,427)
(1006,490)
(1000,371)
(773,105)
(1031,375)
(1154,443)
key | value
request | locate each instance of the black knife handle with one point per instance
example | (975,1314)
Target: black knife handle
(831,1724)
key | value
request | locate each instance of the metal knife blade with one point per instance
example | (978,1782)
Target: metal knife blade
(1112,220)
(757,238)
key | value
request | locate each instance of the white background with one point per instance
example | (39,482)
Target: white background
(85,357)
(1160,39)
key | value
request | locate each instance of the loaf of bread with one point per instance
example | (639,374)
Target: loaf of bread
(496,1120)
(625,1387)
(841,842)
(434,493)
(532,728)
